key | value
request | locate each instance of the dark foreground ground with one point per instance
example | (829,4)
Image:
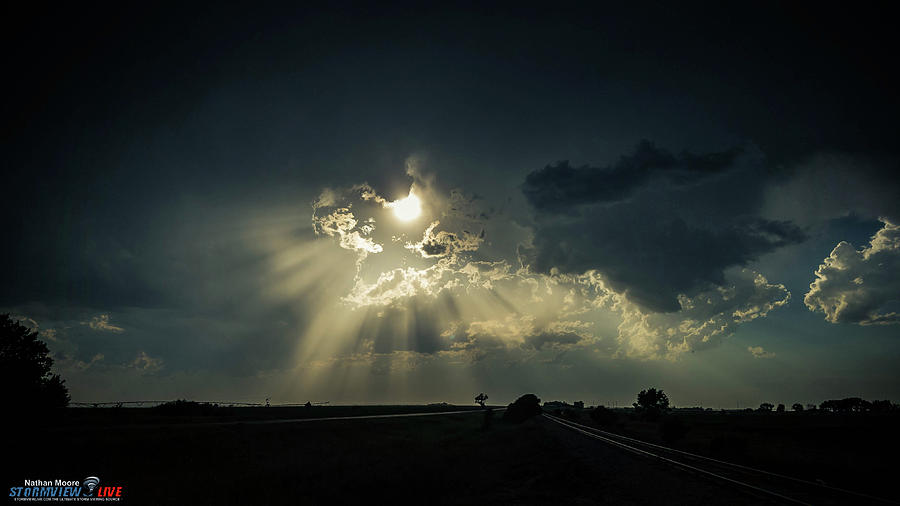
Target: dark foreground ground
(855,451)
(442,459)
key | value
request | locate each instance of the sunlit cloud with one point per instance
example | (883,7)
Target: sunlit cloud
(483,307)
(352,234)
(760,352)
(146,363)
(703,320)
(101,323)
(857,286)
(443,243)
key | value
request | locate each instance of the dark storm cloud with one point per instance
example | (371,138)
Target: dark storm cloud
(561,187)
(668,237)
(833,185)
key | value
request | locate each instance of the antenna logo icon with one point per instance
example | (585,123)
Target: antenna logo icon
(89,485)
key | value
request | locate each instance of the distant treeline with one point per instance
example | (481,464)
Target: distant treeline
(846,405)
(858,405)
(563,404)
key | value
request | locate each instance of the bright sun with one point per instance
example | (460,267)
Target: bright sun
(407,209)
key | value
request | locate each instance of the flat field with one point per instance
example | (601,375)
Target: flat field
(231,458)
(259,456)
(856,451)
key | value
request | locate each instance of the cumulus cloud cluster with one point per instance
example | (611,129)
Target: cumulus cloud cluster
(704,318)
(651,248)
(684,222)
(534,313)
(333,219)
(435,292)
(414,261)
(401,283)
(856,286)
(444,243)
(666,238)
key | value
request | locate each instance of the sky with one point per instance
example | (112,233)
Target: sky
(408,204)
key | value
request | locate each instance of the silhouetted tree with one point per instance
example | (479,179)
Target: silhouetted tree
(524,408)
(780,408)
(766,407)
(884,406)
(480,398)
(25,364)
(652,398)
(859,405)
(797,407)
(829,405)
(651,403)
(850,404)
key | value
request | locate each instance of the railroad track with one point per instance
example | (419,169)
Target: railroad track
(758,482)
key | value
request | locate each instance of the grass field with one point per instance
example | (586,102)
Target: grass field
(223,456)
(442,459)
(194,413)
